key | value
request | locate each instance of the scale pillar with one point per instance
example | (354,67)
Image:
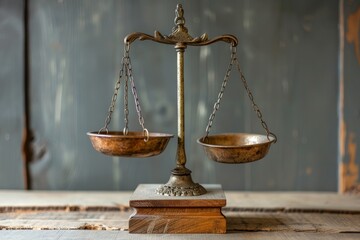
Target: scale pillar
(180,182)
(181,155)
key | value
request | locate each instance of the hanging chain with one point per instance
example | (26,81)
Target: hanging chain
(254,105)
(113,99)
(128,69)
(250,95)
(126,106)
(222,90)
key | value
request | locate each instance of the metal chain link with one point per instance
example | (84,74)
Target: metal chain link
(254,105)
(113,99)
(222,90)
(128,69)
(126,105)
(250,95)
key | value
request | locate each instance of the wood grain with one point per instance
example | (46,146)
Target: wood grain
(155,213)
(236,221)
(248,215)
(177,220)
(251,201)
(117,235)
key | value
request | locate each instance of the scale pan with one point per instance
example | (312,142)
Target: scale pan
(130,145)
(236,147)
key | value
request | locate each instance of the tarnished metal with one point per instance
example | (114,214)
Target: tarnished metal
(226,148)
(180,182)
(222,90)
(180,156)
(234,60)
(180,38)
(130,145)
(181,185)
(254,105)
(180,35)
(236,147)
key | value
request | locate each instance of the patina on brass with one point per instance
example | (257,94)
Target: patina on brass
(180,182)
(236,147)
(134,144)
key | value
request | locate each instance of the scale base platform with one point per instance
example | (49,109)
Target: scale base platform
(155,213)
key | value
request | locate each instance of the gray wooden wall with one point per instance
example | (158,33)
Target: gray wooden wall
(11,93)
(289,52)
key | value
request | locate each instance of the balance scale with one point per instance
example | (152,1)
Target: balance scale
(180,205)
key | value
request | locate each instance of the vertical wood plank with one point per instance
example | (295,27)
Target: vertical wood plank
(11,93)
(349,101)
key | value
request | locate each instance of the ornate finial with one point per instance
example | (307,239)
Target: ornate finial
(179,13)
(180,32)
(179,35)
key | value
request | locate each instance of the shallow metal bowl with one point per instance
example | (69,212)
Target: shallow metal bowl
(131,145)
(236,147)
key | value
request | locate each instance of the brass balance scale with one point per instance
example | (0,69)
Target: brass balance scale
(180,205)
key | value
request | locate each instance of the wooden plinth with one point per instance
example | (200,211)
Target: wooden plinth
(154,213)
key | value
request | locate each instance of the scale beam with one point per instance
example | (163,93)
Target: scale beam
(199,41)
(180,36)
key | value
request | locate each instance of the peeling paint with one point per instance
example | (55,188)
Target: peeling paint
(353,31)
(350,170)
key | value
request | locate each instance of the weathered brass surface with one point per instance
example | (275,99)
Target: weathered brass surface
(180,182)
(131,145)
(180,36)
(181,185)
(236,147)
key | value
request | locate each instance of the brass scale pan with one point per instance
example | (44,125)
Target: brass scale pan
(224,148)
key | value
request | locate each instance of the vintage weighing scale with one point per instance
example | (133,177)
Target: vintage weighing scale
(180,205)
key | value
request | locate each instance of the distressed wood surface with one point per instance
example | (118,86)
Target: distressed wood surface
(236,221)
(264,201)
(117,235)
(249,215)
(349,99)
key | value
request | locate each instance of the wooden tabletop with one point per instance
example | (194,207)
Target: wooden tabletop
(250,215)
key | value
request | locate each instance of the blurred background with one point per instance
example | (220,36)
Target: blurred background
(59,61)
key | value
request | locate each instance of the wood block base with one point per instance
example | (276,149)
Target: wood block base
(154,213)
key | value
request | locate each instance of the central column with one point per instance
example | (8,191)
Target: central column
(180,182)
(181,155)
